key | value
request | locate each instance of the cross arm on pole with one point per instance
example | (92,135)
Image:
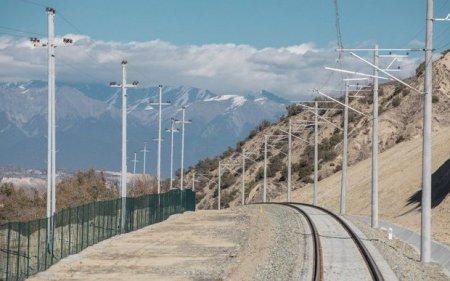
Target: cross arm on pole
(386,73)
(294,136)
(349,107)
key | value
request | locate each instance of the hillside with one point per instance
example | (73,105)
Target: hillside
(400,129)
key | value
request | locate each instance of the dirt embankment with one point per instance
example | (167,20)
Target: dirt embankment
(399,186)
(205,245)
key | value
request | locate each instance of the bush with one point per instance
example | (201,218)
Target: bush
(434,99)
(396,101)
(294,109)
(259,174)
(227,180)
(305,170)
(420,69)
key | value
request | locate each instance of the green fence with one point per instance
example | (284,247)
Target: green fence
(24,249)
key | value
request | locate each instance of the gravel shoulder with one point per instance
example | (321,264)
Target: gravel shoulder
(402,258)
(255,242)
(203,245)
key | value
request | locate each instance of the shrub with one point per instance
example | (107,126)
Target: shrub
(305,170)
(434,99)
(396,101)
(420,69)
(294,109)
(259,174)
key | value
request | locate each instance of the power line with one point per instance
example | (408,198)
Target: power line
(33,3)
(21,31)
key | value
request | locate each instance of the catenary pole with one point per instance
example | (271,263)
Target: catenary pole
(344,153)
(218,187)
(374,220)
(243,178)
(316,151)
(289,167)
(265,169)
(425,252)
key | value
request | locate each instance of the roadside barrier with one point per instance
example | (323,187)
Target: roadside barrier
(30,247)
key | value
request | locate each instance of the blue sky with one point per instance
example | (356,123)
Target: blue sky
(236,46)
(260,23)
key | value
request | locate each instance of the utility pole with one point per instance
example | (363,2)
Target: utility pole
(344,152)
(159,139)
(51,171)
(183,122)
(243,178)
(51,127)
(134,164)
(374,220)
(145,151)
(316,151)
(427,127)
(172,131)
(193,181)
(123,177)
(218,188)
(289,162)
(265,169)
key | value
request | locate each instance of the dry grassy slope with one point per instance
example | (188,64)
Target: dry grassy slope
(399,125)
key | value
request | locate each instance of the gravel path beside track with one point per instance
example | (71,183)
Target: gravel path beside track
(255,242)
(402,258)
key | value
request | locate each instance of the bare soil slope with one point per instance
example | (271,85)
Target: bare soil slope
(399,186)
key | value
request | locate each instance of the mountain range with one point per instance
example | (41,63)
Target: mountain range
(88,118)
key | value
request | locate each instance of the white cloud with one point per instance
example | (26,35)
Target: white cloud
(223,68)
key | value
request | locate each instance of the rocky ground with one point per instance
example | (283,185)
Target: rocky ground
(255,242)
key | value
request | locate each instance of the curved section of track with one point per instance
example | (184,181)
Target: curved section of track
(317,260)
(375,273)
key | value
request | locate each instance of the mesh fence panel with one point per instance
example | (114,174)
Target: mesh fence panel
(29,247)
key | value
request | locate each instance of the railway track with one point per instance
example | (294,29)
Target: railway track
(313,215)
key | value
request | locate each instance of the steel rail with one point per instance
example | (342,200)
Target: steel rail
(318,257)
(373,268)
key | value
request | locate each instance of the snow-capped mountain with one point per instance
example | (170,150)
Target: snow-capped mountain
(89,123)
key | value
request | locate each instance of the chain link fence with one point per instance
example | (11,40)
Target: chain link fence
(30,247)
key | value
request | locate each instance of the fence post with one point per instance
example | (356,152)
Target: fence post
(38,246)
(62,233)
(8,250)
(70,230)
(18,250)
(28,249)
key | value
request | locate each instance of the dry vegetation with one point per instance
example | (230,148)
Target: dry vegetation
(81,188)
(400,121)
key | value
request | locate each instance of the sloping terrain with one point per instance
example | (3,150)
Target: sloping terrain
(400,136)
